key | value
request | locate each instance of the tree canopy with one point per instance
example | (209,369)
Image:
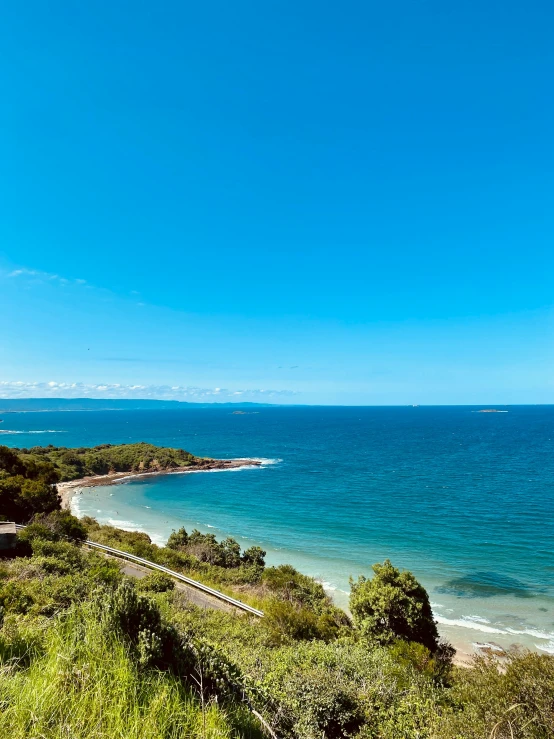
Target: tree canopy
(72,464)
(393,605)
(26,486)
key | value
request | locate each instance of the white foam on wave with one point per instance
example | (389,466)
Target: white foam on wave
(532,632)
(468,625)
(487,645)
(132,526)
(548,648)
(484,627)
(476,619)
(41,431)
(74,505)
(261,462)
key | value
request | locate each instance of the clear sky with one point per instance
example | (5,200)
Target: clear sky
(300,202)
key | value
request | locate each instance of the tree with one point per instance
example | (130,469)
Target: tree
(254,556)
(230,550)
(178,539)
(393,605)
(21,498)
(206,548)
(63,525)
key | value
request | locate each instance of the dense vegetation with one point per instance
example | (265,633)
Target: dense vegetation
(28,476)
(71,464)
(26,486)
(87,653)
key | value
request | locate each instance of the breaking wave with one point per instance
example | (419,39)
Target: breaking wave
(470,622)
(41,431)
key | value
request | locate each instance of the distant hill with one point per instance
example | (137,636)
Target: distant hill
(98,404)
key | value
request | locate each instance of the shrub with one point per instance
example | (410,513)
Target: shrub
(254,556)
(21,498)
(157,582)
(393,605)
(62,525)
(295,587)
(14,598)
(178,539)
(515,701)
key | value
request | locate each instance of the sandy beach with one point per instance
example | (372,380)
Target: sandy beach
(67,490)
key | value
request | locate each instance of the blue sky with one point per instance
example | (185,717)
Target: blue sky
(292,202)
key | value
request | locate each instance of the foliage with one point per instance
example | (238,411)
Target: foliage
(62,525)
(393,605)
(296,587)
(85,683)
(77,640)
(53,576)
(72,464)
(26,486)
(254,556)
(515,701)
(156,582)
(341,690)
(16,462)
(178,539)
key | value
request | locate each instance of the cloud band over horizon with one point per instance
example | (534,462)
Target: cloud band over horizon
(19,389)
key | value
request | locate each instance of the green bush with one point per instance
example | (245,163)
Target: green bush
(514,701)
(157,582)
(295,587)
(178,539)
(254,556)
(62,525)
(393,605)
(342,689)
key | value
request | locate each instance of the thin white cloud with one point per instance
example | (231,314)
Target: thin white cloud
(38,276)
(52,389)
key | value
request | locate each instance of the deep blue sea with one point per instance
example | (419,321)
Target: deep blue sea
(463,499)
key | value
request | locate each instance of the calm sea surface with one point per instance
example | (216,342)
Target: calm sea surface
(463,499)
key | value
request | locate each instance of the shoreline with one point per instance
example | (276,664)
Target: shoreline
(66,490)
(465,651)
(465,643)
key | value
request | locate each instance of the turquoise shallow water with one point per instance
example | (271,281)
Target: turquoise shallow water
(464,499)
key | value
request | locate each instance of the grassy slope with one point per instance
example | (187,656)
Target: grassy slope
(65,672)
(312,675)
(85,685)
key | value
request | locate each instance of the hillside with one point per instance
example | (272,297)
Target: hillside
(72,464)
(28,476)
(85,652)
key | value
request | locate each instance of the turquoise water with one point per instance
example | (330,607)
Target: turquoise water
(464,499)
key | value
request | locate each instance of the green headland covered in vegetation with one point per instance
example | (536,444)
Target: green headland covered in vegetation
(89,653)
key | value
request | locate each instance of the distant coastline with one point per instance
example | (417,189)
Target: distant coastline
(37,405)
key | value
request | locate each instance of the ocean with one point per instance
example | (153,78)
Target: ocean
(463,499)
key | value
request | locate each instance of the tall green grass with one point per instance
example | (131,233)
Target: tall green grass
(87,685)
